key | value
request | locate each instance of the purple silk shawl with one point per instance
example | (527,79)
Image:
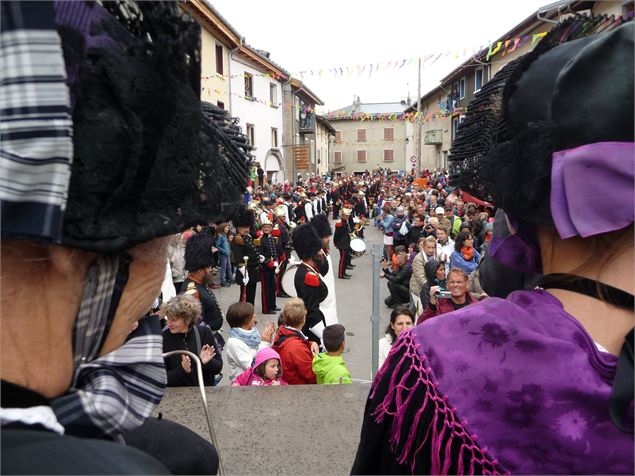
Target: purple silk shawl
(518,381)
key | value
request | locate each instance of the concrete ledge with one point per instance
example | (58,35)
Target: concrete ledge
(299,429)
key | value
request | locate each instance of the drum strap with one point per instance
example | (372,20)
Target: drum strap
(311,268)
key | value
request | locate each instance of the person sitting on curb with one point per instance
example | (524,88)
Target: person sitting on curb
(398,280)
(457,283)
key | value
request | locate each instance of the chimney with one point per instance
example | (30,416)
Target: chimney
(356,104)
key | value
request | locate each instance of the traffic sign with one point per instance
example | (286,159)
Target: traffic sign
(413,159)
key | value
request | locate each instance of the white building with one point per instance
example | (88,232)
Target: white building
(256,100)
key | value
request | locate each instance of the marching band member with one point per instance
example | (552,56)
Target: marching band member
(342,241)
(246,255)
(308,281)
(308,207)
(271,250)
(300,209)
(282,230)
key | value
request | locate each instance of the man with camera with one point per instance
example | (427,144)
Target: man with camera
(455,297)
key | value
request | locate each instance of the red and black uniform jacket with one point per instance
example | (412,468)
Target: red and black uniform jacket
(342,235)
(312,290)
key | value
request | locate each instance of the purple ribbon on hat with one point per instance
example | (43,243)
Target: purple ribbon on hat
(578,175)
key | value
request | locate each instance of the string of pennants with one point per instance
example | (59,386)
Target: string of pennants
(396,117)
(358,116)
(507,46)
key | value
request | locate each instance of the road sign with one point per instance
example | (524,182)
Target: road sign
(413,159)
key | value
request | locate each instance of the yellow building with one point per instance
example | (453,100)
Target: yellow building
(218,38)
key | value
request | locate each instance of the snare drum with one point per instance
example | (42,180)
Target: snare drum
(288,280)
(358,247)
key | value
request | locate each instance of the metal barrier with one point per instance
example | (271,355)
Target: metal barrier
(377,252)
(199,374)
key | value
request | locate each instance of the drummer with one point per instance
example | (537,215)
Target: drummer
(342,241)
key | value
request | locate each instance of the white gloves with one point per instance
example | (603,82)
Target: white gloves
(261,259)
(277,266)
(246,278)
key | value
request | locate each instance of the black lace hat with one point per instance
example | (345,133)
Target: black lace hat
(535,106)
(148,158)
(306,241)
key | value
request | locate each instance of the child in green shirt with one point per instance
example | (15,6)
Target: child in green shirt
(329,366)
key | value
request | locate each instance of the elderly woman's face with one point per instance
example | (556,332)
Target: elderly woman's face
(177,324)
(146,274)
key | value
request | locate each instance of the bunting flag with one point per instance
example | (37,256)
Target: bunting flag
(506,46)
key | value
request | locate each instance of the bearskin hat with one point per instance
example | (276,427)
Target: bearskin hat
(244,217)
(321,225)
(306,241)
(198,252)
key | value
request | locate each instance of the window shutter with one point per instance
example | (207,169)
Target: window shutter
(338,137)
(389,133)
(337,158)
(361,156)
(389,155)
(361,135)
(219,59)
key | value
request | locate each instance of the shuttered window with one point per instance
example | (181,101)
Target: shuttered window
(361,135)
(361,156)
(337,158)
(389,133)
(389,155)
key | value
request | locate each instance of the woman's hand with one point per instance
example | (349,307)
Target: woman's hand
(267,333)
(207,353)
(315,349)
(433,291)
(186,363)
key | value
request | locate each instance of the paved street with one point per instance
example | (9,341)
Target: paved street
(354,306)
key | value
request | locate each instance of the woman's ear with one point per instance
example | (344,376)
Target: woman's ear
(69,261)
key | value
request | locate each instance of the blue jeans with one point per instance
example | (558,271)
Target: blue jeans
(225,269)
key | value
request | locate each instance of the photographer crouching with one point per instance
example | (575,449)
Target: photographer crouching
(455,297)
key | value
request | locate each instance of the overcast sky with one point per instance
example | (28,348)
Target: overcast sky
(324,34)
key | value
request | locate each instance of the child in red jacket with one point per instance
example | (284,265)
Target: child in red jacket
(295,350)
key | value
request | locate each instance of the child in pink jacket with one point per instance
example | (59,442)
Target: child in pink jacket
(266,371)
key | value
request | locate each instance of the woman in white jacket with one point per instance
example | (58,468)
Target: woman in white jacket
(401,319)
(244,339)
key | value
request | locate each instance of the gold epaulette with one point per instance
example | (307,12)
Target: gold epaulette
(239,240)
(256,241)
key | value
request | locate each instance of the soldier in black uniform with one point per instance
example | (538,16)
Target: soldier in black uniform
(342,241)
(299,211)
(198,262)
(271,250)
(308,282)
(282,230)
(246,255)
(337,202)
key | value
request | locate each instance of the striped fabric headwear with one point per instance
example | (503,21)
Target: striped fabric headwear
(105,145)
